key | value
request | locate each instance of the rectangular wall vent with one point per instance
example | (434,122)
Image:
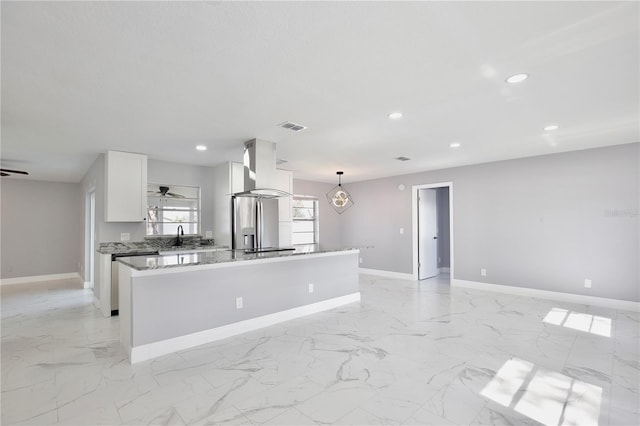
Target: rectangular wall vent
(292,126)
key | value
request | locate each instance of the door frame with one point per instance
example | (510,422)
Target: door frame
(89,238)
(414,221)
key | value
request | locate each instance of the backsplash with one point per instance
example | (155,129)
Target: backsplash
(155,243)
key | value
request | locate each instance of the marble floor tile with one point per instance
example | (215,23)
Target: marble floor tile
(410,353)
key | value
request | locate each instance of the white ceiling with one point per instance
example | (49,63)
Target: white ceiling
(79,78)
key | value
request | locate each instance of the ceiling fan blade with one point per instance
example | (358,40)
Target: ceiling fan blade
(174,195)
(4,174)
(19,172)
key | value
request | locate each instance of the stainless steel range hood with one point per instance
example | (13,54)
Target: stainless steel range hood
(260,178)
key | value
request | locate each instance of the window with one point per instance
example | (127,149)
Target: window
(305,220)
(169,206)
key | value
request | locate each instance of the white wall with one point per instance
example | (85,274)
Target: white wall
(41,228)
(545,222)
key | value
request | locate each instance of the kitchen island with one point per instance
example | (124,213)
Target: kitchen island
(174,302)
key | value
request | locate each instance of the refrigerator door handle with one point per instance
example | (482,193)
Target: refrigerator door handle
(258,228)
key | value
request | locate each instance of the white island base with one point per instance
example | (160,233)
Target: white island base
(171,309)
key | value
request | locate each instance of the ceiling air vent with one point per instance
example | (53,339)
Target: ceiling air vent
(403,158)
(292,126)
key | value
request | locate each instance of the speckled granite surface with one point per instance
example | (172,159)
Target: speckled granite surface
(143,263)
(154,244)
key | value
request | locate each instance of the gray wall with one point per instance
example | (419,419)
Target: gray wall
(329,221)
(41,225)
(545,222)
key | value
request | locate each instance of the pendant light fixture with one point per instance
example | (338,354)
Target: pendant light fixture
(338,197)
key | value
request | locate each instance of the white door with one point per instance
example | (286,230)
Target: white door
(427,234)
(92,237)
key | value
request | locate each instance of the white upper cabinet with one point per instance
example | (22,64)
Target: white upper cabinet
(125,187)
(228,178)
(237,177)
(284,182)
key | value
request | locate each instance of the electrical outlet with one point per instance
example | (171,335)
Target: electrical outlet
(483,272)
(125,236)
(239,303)
(208,234)
(310,288)
(587,283)
(360,260)
(401,231)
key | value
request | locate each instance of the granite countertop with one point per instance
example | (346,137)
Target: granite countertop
(157,244)
(143,263)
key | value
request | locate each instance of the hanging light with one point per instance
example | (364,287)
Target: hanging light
(338,197)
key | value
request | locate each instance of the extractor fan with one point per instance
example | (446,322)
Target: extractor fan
(163,191)
(9,172)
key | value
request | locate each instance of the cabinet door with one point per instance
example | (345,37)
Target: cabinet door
(126,187)
(284,179)
(237,177)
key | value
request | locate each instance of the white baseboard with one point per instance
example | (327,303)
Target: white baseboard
(551,295)
(164,347)
(96,302)
(88,284)
(37,278)
(386,274)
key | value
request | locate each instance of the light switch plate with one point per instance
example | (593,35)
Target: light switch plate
(239,303)
(587,283)
(208,234)
(125,236)
(310,288)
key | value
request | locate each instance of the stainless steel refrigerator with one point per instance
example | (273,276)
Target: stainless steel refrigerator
(255,223)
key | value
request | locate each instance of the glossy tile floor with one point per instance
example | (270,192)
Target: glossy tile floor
(410,353)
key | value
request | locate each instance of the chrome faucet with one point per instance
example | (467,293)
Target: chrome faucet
(180,235)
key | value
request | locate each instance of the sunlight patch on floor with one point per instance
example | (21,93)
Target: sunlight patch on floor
(578,321)
(543,395)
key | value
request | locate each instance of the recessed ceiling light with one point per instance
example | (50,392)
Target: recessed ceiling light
(201,148)
(395,115)
(455,144)
(551,127)
(517,78)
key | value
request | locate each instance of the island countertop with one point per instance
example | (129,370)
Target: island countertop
(146,263)
(157,244)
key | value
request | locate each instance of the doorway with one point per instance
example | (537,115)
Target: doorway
(432,230)
(90,233)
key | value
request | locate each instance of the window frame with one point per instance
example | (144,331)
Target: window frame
(315,220)
(191,225)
